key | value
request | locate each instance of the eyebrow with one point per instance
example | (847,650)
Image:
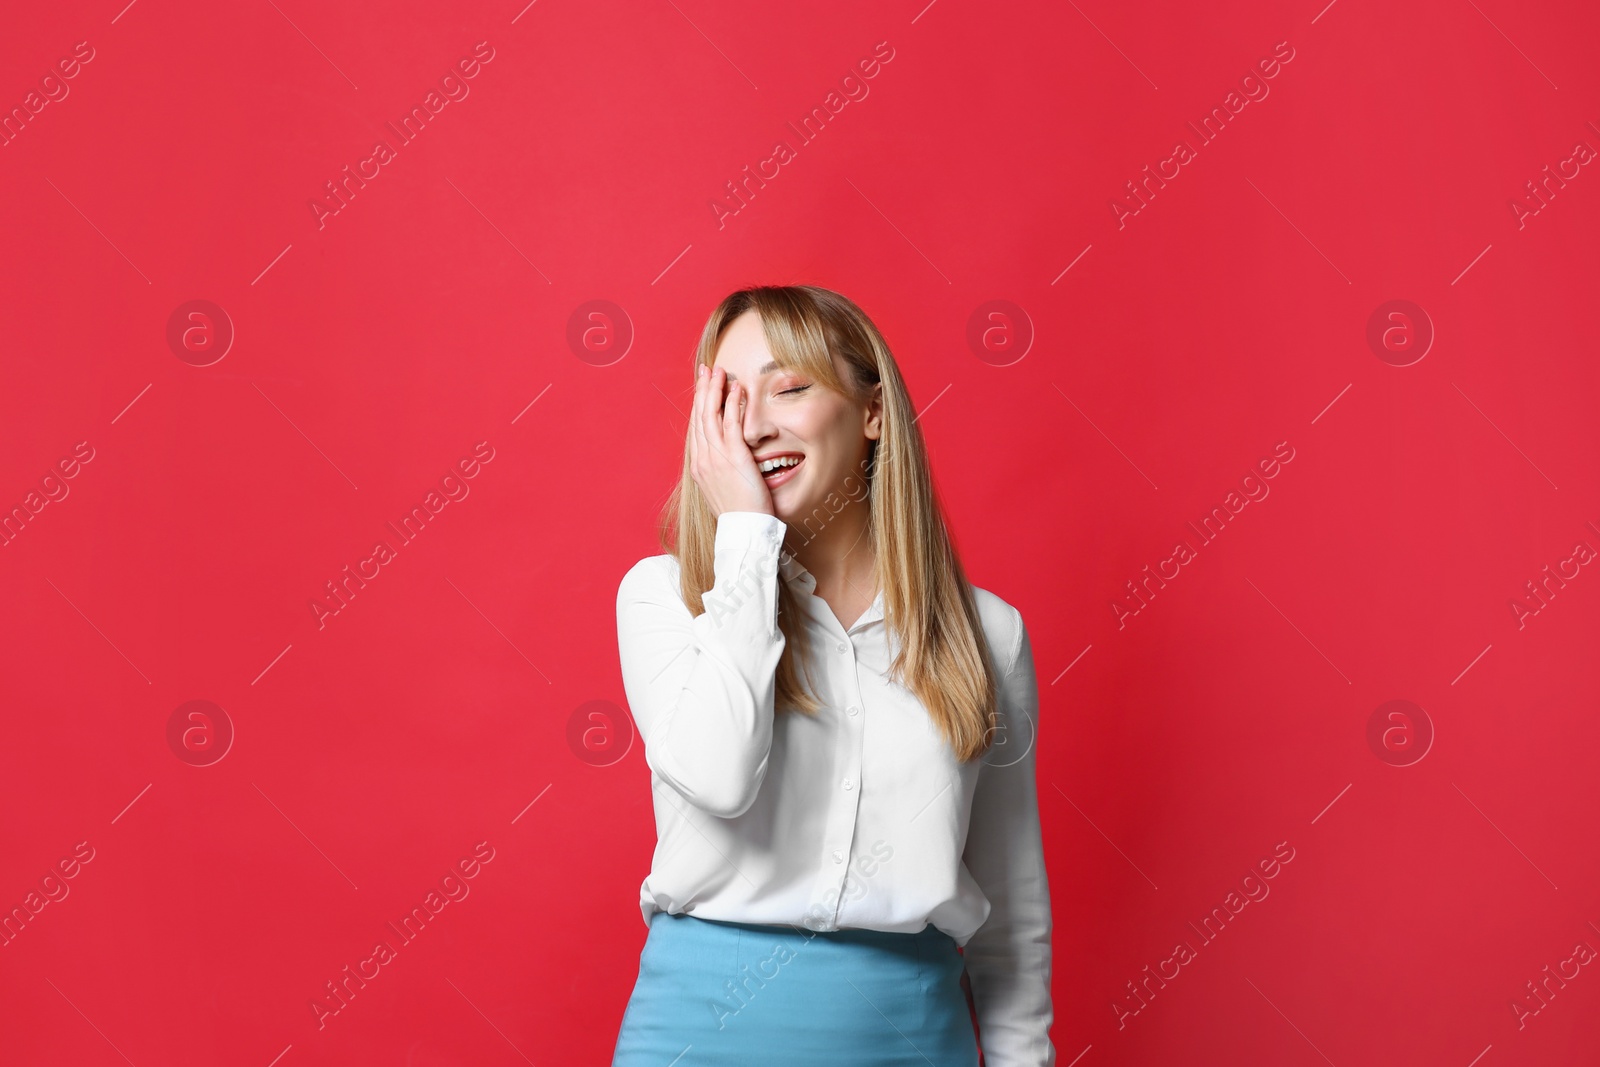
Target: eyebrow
(770,366)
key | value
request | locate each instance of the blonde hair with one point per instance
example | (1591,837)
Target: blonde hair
(929,606)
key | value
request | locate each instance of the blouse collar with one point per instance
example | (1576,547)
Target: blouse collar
(796,575)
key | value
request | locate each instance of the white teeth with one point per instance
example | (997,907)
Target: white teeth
(770,465)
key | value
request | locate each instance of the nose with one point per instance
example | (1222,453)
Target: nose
(757,422)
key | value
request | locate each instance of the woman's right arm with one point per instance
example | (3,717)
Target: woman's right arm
(701,687)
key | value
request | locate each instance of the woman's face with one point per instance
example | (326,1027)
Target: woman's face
(788,414)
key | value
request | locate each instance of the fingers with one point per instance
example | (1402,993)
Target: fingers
(697,441)
(732,423)
(712,415)
(716,441)
(707,421)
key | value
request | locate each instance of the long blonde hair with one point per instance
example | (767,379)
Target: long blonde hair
(929,606)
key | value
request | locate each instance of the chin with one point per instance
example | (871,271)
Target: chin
(787,509)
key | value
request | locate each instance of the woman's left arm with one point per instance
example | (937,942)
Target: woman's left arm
(1008,958)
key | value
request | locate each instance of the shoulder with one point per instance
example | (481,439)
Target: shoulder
(1002,626)
(649,579)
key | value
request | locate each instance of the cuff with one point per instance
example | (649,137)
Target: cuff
(747,529)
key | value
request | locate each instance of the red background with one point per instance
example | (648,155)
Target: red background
(375,748)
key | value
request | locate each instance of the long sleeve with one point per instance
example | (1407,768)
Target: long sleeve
(1008,957)
(701,687)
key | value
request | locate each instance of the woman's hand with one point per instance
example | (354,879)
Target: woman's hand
(719,460)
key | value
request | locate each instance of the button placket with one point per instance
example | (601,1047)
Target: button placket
(842,821)
(848,789)
(842,829)
(845,821)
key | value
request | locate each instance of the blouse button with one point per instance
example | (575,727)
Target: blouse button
(841,646)
(848,784)
(838,857)
(854,710)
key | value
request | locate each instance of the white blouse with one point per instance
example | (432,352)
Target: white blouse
(859,817)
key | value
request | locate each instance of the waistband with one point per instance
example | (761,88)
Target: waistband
(849,935)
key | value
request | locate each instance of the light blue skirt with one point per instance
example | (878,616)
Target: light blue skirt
(725,994)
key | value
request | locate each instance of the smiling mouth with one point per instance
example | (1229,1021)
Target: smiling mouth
(782,474)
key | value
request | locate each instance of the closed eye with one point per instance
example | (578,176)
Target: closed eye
(796,389)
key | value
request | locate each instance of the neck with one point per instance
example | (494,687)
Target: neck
(839,556)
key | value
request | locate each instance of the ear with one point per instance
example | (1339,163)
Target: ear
(873,427)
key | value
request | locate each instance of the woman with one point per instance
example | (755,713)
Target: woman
(839,730)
